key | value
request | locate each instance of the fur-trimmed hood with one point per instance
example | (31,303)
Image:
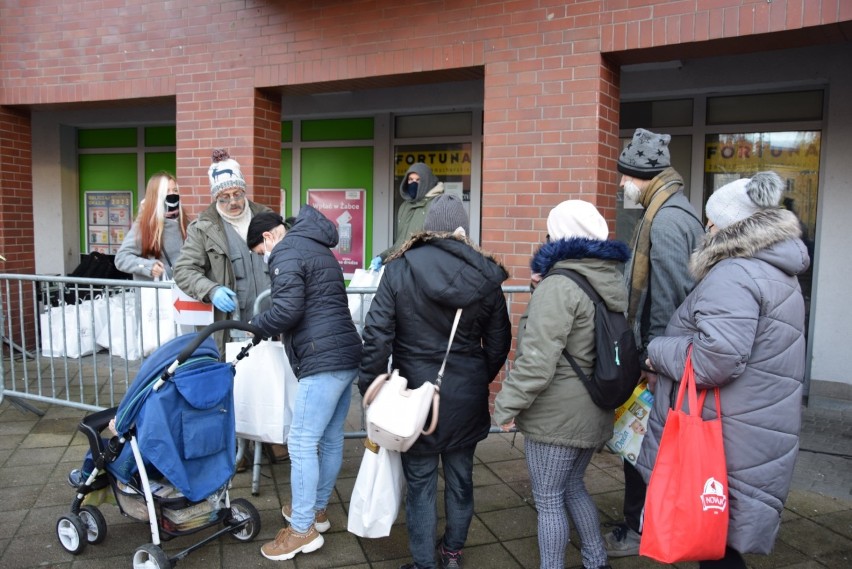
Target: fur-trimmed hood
(577,248)
(772,235)
(427,236)
(449,269)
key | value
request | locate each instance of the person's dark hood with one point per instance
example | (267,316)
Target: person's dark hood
(428,180)
(311,224)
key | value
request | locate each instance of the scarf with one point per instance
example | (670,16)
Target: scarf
(239,222)
(661,188)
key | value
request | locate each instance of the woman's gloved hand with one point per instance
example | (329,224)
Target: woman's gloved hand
(376,263)
(223,299)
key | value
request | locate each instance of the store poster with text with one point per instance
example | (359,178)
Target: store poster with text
(108,219)
(346,209)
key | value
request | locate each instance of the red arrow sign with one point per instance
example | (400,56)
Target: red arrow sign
(191,305)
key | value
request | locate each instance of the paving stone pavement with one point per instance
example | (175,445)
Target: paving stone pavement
(36,454)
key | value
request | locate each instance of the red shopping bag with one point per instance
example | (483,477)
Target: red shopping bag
(686,507)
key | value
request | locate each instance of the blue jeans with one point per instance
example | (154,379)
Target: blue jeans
(421,502)
(316,441)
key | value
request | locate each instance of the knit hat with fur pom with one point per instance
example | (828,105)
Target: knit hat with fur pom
(224,173)
(744,197)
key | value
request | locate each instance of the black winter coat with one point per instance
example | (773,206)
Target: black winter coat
(309,303)
(411,317)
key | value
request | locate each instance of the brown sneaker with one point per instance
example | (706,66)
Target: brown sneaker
(276,453)
(320,518)
(288,543)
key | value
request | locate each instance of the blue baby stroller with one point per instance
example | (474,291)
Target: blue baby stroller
(174,456)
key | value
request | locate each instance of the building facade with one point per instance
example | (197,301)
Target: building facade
(518,105)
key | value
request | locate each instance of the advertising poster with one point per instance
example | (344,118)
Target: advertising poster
(347,210)
(109,216)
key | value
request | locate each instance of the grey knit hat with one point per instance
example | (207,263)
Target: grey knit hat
(646,156)
(446,213)
(743,198)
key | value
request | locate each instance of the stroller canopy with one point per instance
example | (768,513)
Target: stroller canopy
(185,429)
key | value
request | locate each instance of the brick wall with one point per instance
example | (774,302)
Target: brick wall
(16,219)
(551,87)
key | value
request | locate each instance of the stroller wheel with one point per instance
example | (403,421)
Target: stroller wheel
(95,523)
(242,509)
(150,556)
(71,532)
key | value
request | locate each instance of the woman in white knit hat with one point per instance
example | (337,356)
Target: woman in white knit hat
(543,394)
(745,322)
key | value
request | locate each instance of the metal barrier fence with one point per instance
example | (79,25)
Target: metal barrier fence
(80,342)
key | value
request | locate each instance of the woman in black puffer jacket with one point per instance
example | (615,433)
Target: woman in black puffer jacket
(410,318)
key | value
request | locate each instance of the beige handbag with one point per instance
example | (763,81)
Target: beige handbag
(396,415)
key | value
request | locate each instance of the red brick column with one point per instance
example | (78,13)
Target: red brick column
(16,193)
(267,149)
(550,134)
(17,243)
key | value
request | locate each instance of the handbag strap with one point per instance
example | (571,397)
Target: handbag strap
(440,377)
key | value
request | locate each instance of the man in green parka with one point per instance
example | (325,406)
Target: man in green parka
(419,187)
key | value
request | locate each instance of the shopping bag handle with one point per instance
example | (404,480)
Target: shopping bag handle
(688,386)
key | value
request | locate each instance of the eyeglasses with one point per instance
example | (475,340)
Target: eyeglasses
(235,197)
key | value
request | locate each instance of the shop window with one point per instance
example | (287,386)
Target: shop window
(794,155)
(656,114)
(443,124)
(337,129)
(450,162)
(161,136)
(106,138)
(766,107)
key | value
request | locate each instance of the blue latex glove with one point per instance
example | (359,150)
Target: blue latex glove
(223,299)
(376,264)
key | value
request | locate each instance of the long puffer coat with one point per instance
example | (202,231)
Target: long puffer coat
(411,317)
(745,322)
(309,303)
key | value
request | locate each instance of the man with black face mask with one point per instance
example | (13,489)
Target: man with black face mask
(418,188)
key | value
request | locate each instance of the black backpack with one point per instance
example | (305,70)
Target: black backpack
(617,370)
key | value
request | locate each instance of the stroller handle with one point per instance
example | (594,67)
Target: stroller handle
(202,335)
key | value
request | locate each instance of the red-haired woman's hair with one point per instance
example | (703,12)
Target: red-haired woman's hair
(152,215)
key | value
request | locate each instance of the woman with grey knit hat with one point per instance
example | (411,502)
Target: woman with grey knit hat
(745,322)
(435,273)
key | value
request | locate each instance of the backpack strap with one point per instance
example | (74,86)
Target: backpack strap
(593,295)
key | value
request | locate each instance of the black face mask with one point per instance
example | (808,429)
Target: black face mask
(411,188)
(172,203)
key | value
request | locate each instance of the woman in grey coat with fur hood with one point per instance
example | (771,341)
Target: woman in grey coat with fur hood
(745,321)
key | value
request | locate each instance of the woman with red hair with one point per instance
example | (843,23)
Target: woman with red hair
(150,250)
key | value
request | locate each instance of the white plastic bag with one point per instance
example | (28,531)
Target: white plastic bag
(118,326)
(359,304)
(377,494)
(264,391)
(59,330)
(158,318)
